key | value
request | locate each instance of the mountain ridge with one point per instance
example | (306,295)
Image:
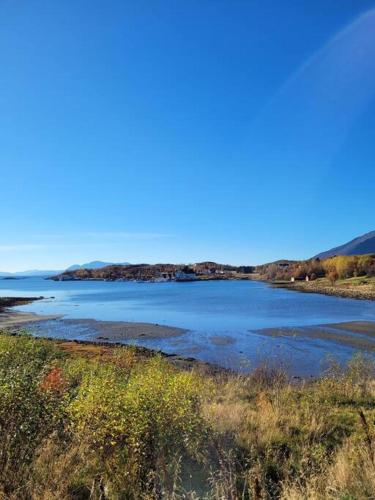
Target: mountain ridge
(364,244)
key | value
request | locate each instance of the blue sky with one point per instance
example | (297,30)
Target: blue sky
(238,131)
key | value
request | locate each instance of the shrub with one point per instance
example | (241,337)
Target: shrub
(140,423)
(27,414)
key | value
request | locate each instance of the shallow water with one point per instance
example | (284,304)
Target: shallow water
(223,317)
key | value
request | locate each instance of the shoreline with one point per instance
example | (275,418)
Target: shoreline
(6,302)
(100,330)
(113,331)
(10,318)
(14,322)
(358,335)
(99,347)
(353,292)
(106,335)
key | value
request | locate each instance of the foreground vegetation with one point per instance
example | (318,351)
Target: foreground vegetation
(81,422)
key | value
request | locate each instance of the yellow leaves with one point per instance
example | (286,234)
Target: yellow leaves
(349,266)
(154,404)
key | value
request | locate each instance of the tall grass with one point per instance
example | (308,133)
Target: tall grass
(123,427)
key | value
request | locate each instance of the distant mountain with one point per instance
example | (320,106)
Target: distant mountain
(96,264)
(359,246)
(36,272)
(32,272)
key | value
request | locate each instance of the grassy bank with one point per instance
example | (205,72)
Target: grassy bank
(84,421)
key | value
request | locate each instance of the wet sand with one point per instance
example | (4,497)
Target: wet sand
(13,319)
(101,335)
(362,327)
(10,318)
(222,340)
(356,334)
(123,330)
(113,331)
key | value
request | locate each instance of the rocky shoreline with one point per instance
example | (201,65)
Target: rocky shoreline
(6,302)
(361,292)
(105,335)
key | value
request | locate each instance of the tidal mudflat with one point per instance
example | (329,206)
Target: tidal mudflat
(357,334)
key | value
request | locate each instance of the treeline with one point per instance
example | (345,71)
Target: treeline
(334,268)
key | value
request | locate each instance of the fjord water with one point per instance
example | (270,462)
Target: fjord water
(223,318)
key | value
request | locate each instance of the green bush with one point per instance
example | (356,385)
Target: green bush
(28,414)
(139,422)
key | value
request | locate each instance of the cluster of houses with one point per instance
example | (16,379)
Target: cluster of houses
(175,276)
(192,272)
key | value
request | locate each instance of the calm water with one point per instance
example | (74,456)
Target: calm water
(222,316)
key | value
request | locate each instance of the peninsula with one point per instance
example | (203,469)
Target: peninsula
(158,273)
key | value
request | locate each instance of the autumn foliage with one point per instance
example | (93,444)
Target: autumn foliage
(54,381)
(334,268)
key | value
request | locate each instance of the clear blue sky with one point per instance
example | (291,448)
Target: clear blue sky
(238,131)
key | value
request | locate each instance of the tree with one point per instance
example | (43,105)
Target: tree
(332,275)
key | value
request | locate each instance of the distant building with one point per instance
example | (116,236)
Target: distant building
(167,276)
(185,276)
(205,267)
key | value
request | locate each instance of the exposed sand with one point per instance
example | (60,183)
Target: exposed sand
(99,330)
(357,334)
(113,331)
(123,330)
(104,334)
(10,319)
(222,340)
(362,327)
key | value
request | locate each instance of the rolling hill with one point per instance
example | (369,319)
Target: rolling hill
(96,264)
